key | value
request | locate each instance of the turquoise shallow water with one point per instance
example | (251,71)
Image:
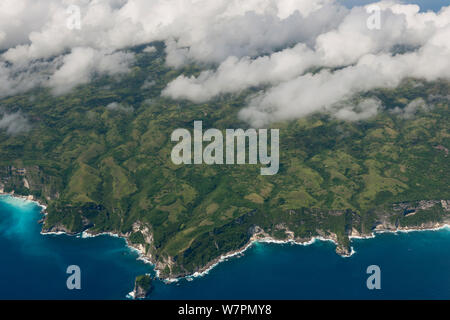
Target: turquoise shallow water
(33,266)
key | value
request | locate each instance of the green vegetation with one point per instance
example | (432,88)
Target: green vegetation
(108,169)
(144,282)
(143,286)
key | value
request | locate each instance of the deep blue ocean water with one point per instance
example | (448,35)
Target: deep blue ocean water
(33,266)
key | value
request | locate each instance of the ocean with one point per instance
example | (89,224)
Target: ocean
(413,265)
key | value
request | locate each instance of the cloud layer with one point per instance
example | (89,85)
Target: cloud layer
(303,56)
(408,44)
(14,123)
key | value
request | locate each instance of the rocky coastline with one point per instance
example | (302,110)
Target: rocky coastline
(259,236)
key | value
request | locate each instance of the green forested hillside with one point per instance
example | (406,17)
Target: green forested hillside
(107,168)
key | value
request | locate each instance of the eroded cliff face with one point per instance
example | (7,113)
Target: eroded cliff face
(142,287)
(29,180)
(414,215)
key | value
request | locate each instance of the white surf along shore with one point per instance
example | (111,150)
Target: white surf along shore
(253,241)
(237,253)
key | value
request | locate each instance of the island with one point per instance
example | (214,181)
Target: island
(142,287)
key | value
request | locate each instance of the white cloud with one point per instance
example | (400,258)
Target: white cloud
(310,93)
(115,106)
(194,30)
(81,64)
(148,84)
(271,45)
(411,109)
(64,72)
(14,123)
(234,75)
(149,49)
(409,44)
(362,111)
